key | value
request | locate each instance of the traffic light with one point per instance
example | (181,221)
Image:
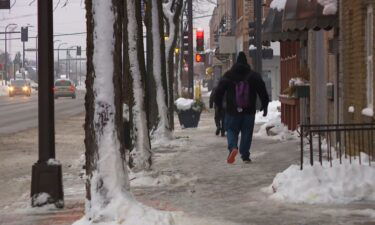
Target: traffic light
(200,57)
(78,50)
(24,34)
(185,41)
(200,40)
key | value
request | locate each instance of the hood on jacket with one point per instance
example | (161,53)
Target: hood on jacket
(238,71)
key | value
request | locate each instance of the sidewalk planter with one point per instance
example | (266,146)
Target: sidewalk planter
(302,91)
(189,112)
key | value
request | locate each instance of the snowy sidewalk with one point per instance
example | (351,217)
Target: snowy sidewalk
(206,187)
(190,175)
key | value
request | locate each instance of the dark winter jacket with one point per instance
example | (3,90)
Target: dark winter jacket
(212,97)
(226,88)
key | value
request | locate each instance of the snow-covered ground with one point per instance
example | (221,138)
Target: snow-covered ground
(3,90)
(271,126)
(341,183)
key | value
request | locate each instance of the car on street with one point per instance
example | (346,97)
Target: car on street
(19,87)
(64,88)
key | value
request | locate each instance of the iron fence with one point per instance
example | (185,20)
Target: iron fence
(323,142)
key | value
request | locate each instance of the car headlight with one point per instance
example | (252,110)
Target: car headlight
(25,88)
(11,88)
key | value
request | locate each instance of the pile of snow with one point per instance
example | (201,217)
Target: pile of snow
(272,127)
(368,112)
(41,199)
(252,47)
(296,82)
(207,94)
(3,90)
(273,113)
(278,4)
(184,103)
(351,109)
(343,183)
(127,211)
(81,87)
(53,162)
(330,6)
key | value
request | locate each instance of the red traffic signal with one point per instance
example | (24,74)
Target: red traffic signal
(200,40)
(199,57)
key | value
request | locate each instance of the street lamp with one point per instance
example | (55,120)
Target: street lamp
(58,57)
(6,54)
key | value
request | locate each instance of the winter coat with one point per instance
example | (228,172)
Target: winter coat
(212,98)
(226,89)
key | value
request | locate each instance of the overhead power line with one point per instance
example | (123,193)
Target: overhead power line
(55,35)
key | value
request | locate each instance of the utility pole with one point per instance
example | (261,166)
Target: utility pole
(258,35)
(191,50)
(6,53)
(46,172)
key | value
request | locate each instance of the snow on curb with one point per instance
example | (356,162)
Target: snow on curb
(3,90)
(322,184)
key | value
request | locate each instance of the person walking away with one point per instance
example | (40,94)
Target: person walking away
(219,115)
(239,87)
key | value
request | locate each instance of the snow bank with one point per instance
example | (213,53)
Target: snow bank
(184,103)
(3,90)
(322,184)
(41,199)
(368,112)
(272,127)
(330,6)
(273,113)
(128,211)
(278,4)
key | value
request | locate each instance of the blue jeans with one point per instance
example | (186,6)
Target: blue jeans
(244,124)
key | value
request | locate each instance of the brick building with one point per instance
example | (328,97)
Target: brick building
(357,61)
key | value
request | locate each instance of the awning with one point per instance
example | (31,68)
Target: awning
(272,28)
(300,15)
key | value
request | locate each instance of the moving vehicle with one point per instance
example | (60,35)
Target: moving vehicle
(64,88)
(19,87)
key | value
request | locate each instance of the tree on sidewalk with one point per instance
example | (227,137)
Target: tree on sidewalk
(105,156)
(172,11)
(140,156)
(156,24)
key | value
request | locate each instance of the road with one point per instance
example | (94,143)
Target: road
(20,112)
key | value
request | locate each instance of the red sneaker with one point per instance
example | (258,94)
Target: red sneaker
(232,156)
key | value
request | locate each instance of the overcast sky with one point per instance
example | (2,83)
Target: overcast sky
(67,20)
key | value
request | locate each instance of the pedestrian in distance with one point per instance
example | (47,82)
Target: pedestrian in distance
(219,115)
(239,87)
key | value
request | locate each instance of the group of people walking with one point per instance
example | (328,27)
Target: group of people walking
(234,99)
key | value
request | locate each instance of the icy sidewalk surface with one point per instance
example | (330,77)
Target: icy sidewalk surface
(190,175)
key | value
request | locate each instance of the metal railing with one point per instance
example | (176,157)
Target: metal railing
(343,140)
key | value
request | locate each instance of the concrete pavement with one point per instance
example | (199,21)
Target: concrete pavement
(215,190)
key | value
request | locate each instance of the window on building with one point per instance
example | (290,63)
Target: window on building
(369,55)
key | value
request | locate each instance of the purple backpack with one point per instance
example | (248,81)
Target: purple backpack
(242,94)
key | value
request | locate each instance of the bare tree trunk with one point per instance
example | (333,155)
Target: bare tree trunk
(172,12)
(151,104)
(140,157)
(104,142)
(159,68)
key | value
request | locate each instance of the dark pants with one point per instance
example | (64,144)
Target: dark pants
(244,124)
(219,120)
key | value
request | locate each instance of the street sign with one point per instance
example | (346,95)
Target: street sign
(4,4)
